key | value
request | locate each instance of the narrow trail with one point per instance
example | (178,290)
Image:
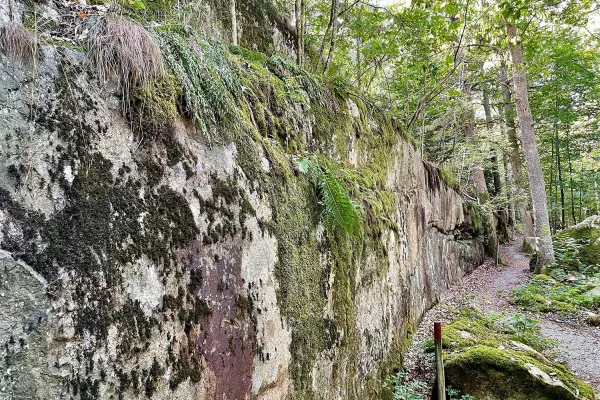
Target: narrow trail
(488,289)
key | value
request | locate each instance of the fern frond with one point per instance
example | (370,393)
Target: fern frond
(338,210)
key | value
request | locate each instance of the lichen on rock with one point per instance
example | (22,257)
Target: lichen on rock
(164,263)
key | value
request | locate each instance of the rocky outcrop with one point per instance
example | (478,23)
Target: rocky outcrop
(583,240)
(144,261)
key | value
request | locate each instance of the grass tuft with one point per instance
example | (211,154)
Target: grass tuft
(17,43)
(124,49)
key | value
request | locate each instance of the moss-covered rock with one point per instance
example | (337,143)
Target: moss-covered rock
(497,357)
(506,374)
(587,234)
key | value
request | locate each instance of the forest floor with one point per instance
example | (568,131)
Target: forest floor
(488,289)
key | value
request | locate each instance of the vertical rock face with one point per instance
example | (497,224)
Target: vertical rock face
(178,268)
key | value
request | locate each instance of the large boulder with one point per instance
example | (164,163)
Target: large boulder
(586,234)
(494,359)
(502,373)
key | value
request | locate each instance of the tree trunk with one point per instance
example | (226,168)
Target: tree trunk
(332,20)
(302,30)
(501,213)
(552,189)
(596,195)
(481,191)
(581,196)
(234,27)
(571,183)
(298,18)
(561,184)
(520,193)
(532,157)
(334,31)
(512,215)
(299,15)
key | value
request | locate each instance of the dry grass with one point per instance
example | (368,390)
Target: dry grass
(125,50)
(16,43)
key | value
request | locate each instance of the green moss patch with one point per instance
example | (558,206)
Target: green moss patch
(562,293)
(495,373)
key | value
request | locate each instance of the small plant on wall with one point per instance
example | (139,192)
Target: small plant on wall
(337,209)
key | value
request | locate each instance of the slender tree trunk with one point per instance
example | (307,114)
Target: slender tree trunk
(596,195)
(471,133)
(571,183)
(481,190)
(501,213)
(512,215)
(358,61)
(532,157)
(302,30)
(552,189)
(334,31)
(561,184)
(332,20)
(298,18)
(234,27)
(581,196)
(520,194)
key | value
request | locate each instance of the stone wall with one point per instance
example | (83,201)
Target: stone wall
(176,266)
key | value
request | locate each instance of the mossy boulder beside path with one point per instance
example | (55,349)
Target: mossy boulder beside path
(586,233)
(513,374)
(490,361)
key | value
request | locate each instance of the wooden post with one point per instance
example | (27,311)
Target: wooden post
(441,380)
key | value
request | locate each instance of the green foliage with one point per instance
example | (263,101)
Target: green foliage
(449,178)
(338,210)
(453,394)
(209,84)
(404,388)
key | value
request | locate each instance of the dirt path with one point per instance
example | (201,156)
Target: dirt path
(487,289)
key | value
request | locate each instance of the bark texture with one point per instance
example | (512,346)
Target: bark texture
(532,157)
(234,28)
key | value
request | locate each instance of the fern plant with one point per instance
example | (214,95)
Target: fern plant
(338,210)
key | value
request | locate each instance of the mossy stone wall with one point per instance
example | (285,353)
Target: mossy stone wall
(176,265)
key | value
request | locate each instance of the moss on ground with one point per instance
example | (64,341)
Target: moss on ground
(546,294)
(572,283)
